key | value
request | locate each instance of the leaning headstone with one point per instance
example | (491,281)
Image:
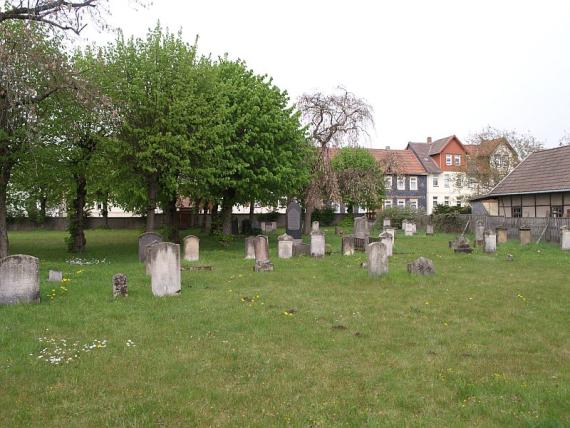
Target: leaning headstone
(317,244)
(525,235)
(120,285)
(377,259)
(285,246)
(502,234)
(165,269)
(479,233)
(19,280)
(386,239)
(55,276)
(250,247)
(565,238)
(386,222)
(262,263)
(315,227)
(191,248)
(361,227)
(421,266)
(490,241)
(429,229)
(294,219)
(145,239)
(347,246)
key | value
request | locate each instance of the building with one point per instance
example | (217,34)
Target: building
(444,161)
(538,187)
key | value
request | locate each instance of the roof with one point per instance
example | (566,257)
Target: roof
(421,151)
(487,147)
(404,161)
(541,172)
(438,145)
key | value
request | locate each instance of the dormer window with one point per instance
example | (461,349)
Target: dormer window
(449,160)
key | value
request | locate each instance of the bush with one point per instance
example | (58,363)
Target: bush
(325,216)
(448,209)
(272,216)
(398,214)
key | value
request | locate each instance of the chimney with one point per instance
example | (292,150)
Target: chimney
(387,147)
(429,140)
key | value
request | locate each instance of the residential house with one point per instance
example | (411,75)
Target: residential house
(537,187)
(444,161)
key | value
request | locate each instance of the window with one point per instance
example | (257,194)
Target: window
(457,160)
(401,183)
(458,203)
(557,211)
(434,200)
(446,201)
(498,160)
(388,203)
(413,183)
(401,203)
(388,182)
(435,182)
(516,211)
(449,160)
(99,206)
(446,181)
(414,204)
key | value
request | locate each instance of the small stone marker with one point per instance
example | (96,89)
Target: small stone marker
(525,235)
(421,266)
(55,276)
(315,227)
(120,285)
(317,244)
(191,248)
(386,239)
(502,234)
(429,229)
(347,245)
(19,280)
(377,259)
(294,219)
(565,238)
(479,233)
(262,263)
(461,245)
(145,239)
(386,223)
(250,248)
(285,246)
(165,269)
(490,242)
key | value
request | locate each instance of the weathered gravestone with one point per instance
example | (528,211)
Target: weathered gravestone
(461,245)
(285,246)
(386,223)
(120,285)
(315,227)
(404,224)
(414,228)
(301,249)
(55,276)
(490,242)
(409,229)
(268,226)
(392,232)
(525,235)
(386,239)
(421,266)
(250,247)
(19,280)
(317,244)
(147,260)
(262,263)
(347,246)
(502,234)
(165,269)
(377,259)
(146,239)
(565,238)
(191,248)
(361,227)
(294,219)
(429,229)
(479,233)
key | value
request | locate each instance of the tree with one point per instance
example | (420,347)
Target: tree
(523,143)
(333,120)
(360,179)
(565,139)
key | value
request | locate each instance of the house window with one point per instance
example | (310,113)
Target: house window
(401,183)
(458,203)
(457,160)
(449,160)
(413,183)
(557,211)
(435,182)
(446,181)
(434,200)
(388,203)
(516,211)
(446,201)
(498,160)
(414,204)
(388,182)
(401,203)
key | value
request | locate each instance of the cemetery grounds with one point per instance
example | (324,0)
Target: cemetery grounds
(484,342)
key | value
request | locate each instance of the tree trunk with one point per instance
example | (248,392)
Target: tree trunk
(105,212)
(43,209)
(172,221)
(251,213)
(307,222)
(6,170)
(152,190)
(227,205)
(4,178)
(77,216)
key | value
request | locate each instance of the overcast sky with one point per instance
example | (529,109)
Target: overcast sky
(428,68)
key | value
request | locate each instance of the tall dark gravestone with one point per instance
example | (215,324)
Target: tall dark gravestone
(294,220)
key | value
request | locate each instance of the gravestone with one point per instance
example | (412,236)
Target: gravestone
(461,245)
(409,229)
(268,226)
(191,248)
(421,266)
(262,263)
(147,261)
(301,249)
(317,244)
(525,235)
(361,227)
(404,224)
(490,241)
(391,231)
(19,280)
(250,248)
(377,259)
(565,238)
(145,239)
(120,285)
(55,276)
(315,227)
(294,219)
(429,229)
(347,245)
(502,234)
(386,223)
(386,239)
(479,233)
(165,269)
(414,230)
(285,246)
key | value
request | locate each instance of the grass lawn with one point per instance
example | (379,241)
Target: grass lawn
(484,342)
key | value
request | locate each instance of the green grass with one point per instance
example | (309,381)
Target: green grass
(484,342)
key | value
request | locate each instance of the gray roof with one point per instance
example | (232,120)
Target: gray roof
(545,171)
(422,152)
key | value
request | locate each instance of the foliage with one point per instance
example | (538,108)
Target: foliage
(450,209)
(325,216)
(270,216)
(398,214)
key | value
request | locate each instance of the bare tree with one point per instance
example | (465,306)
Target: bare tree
(565,139)
(333,120)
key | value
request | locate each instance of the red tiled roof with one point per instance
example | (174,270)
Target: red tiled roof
(406,161)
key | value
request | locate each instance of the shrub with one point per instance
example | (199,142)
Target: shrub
(398,214)
(272,216)
(325,216)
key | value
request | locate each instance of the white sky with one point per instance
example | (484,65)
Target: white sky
(428,68)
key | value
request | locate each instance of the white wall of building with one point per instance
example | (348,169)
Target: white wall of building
(451,189)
